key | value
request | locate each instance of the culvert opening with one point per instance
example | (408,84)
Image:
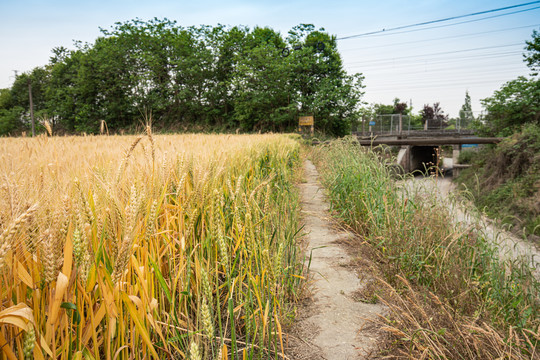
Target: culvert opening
(423,157)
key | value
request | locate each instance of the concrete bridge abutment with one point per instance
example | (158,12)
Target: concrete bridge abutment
(456,150)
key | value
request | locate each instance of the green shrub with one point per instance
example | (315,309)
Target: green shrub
(467,156)
(505,180)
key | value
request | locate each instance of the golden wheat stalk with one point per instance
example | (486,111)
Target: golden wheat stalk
(47,125)
(103,127)
(126,158)
(7,236)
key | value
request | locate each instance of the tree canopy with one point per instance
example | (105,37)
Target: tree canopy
(434,116)
(532,57)
(517,102)
(212,77)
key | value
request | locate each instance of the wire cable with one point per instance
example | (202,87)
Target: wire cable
(469,85)
(458,23)
(424,56)
(441,20)
(487,69)
(440,78)
(439,38)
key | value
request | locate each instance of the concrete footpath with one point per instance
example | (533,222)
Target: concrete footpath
(332,325)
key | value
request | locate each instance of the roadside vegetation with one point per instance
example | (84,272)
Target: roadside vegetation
(505,179)
(449,294)
(147,246)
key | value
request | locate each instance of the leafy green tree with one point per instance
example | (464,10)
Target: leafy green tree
(532,58)
(383,109)
(6,101)
(253,79)
(137,61)
(10,120)
(434,116)
(466,116)
(63,99)
(517,102)
(265,98)
(16,116)
(10,116)
(323,87)
(227,50)
(514,104)
(38,78)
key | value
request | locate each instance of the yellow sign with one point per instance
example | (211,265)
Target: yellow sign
(305,120)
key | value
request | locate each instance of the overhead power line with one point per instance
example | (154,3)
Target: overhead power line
(434,61)
(456,23)
(408,87)
(475,34)
(440,78)
(399,58)
(459,23)
(439,20)
(413,71)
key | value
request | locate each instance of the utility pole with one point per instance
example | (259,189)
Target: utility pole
(31,106)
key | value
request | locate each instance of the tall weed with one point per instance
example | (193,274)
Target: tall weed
(432,267)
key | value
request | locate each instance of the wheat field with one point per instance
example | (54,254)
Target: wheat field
(132,247)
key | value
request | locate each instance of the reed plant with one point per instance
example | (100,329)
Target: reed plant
(449,293)
(147,246)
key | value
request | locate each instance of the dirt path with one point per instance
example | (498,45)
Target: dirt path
(333,325)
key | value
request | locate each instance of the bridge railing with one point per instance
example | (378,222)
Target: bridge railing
(389,125)
(418,133)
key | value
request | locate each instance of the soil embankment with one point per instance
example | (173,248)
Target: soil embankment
(464,214)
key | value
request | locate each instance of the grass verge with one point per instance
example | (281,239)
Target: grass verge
(504,181)
(449,294)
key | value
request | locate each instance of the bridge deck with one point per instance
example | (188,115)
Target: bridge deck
(430,141)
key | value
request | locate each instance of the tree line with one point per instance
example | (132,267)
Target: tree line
(220,78)
(517,103)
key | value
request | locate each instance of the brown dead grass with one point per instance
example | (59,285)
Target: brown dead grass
(421,326)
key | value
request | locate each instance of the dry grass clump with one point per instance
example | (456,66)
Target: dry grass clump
(147,247)
(421,326)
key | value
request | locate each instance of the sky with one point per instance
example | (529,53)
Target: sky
(420,65)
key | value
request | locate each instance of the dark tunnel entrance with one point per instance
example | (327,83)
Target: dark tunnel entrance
(423,157)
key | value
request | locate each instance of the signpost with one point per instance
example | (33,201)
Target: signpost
(371,123)
(304,122)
